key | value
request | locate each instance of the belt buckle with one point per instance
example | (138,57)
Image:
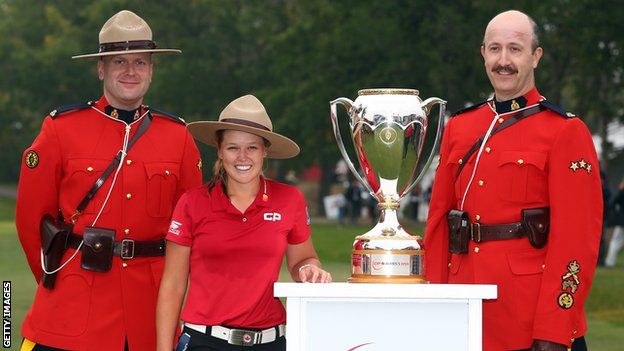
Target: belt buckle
(125,252)
(476,226)
(244,337)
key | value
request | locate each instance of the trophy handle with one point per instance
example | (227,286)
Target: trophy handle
(348,105)
(427,105)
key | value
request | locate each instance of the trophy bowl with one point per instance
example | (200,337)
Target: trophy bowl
(388,128)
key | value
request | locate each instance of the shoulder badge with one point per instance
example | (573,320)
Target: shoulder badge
(68,108)
(556,108)
(469,108)
(167,115)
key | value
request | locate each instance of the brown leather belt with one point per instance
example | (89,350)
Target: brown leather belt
(127,248)
(487,232)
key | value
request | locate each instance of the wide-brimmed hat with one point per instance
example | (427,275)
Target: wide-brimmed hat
(246,114)
(126,33)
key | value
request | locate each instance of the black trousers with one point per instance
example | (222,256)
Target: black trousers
(205,342)
(578,345)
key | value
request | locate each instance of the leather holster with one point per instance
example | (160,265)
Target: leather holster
(458,222)
(53,233)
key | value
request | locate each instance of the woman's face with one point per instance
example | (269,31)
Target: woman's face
(242,155)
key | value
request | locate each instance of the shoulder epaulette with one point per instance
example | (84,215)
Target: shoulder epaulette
(557,109)
(168,115)
(67,108)
(469,108)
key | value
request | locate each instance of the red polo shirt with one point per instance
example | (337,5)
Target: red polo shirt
(236,257)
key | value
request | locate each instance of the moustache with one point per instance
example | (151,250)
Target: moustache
(504,69)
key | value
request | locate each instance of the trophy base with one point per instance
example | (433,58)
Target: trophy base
(387,266)
(357,278)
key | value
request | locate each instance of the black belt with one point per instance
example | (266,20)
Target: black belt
(487,232)
(127,248)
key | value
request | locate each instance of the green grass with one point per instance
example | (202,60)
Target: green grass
(605,306)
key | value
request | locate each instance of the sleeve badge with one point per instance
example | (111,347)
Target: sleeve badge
(580,165)
(31,159)
(569,284)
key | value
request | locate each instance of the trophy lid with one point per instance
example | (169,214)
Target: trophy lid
(388,91)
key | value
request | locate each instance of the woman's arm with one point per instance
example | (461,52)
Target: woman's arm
(304,265)
(171,294)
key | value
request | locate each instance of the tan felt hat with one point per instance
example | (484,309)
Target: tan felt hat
(126,33)
(246,114)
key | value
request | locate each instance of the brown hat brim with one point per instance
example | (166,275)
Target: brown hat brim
(281,146)
(124,52)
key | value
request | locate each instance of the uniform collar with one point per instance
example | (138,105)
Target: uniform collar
(220,201)
(530,98)
(127,116)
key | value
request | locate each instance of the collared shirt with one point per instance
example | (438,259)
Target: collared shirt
(236,257)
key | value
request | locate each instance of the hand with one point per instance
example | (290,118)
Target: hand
(309,273)
(542,345)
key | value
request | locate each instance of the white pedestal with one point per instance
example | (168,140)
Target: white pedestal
(369,317)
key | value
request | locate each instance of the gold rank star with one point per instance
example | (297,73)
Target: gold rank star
(114,114)
(582,163)
(588,168)
(574,166)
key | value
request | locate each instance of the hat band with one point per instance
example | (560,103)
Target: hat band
(128,45)
(245,123)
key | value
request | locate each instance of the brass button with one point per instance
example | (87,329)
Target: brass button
(540,226)
(481,183)
(477,217)
(488,149)
(124,265)
(126,231)
(501,120)
(98,245)
(89,169)
(449,264)
(166,171)
(543,266)
(476,249)
(460,161)
(244,219)
(520,161)
(128,196)
(128,162)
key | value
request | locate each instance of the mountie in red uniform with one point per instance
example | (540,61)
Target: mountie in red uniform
(89,310)
(545,160)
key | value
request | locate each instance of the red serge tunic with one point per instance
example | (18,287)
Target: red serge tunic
(236,257)
(88,310)
(543,160)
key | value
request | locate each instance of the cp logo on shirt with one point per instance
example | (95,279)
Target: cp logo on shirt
(272,216)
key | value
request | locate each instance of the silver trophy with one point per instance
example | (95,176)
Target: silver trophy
(388,128)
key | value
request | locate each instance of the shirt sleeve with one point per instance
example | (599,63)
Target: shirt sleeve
(190,171)
(442,200)
(576,207)
(181,227)
(301,228)
(37,192)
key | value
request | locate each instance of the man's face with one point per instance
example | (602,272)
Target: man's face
(126,77)
(509,58)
